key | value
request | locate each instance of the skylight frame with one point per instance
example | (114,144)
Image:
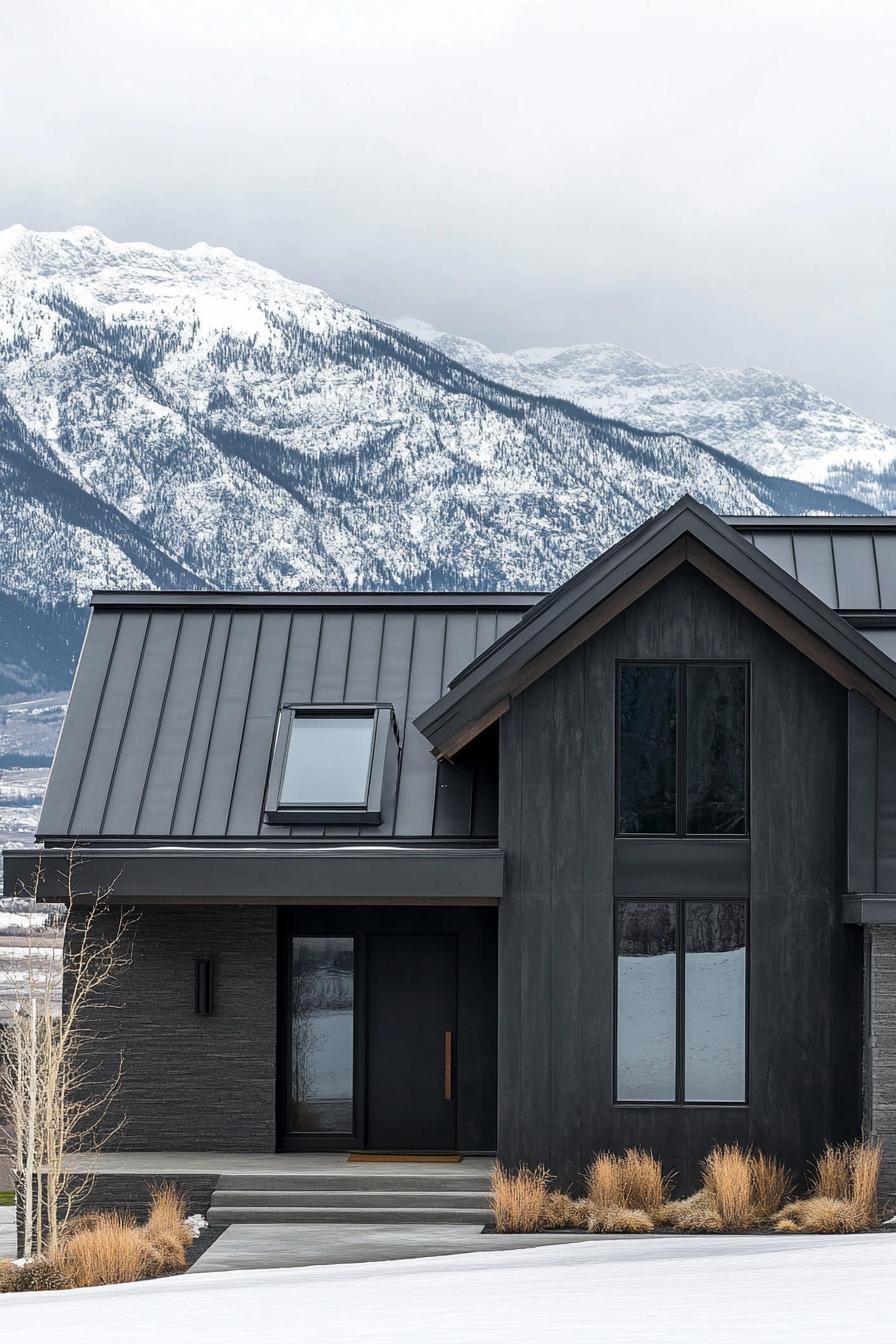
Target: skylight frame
(367,813)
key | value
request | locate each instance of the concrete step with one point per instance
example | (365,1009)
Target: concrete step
(352,1199)
(355,1179)
(222,1215)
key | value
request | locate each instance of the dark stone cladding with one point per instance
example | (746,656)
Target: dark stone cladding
(192,1082)
(880,1048)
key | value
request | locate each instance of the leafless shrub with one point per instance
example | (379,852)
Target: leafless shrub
(53,1099)
(35,1276)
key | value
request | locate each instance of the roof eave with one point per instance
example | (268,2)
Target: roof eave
(688,531)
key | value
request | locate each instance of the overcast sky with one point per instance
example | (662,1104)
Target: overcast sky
(698,181)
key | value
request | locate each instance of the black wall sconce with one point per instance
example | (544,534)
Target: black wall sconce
(204,978)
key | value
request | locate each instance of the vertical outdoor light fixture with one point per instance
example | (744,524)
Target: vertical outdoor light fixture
(204,986)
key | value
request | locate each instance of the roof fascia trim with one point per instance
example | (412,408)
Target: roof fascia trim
(558,625)
(347,876)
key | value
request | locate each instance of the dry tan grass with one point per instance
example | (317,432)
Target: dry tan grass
(741,1190)
(169,1252)
(633,1181)
(603,1183)
(697,1213)
(167,1214)
(851,1172)
(103,1248)
(561,1210)
(519,1198)
(616,1218)
(830,1177)
(728,1178)
(821,1213)
(114,1250)
(772,1185)
(864,1179)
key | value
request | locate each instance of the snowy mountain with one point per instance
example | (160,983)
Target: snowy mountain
(776,424)
(184,418)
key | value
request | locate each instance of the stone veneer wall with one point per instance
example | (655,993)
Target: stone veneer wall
(880,1046)
(193,1082)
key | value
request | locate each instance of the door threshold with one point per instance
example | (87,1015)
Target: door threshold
(404,1157)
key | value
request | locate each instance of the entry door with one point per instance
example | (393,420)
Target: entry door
(411,1011)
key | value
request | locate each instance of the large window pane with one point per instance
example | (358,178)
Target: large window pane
(645,1001)
(327,761)
(323,991)
(716,749)
(715,1000)
(648,733)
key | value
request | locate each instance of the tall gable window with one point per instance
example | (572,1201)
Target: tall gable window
(682,749)
(330,763)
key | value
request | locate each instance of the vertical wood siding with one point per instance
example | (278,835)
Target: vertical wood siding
(556,927)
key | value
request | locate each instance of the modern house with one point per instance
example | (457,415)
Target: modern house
(476,873)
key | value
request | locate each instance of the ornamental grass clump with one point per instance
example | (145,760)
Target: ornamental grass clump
(519,1198)
(562,1211)
(109,1247)
(113,1250)
(844,1192)
(167,1229)
(633,1181)
(741,1190)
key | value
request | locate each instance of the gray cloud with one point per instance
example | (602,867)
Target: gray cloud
(700,181)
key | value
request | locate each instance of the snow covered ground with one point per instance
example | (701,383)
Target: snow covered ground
(689,1289)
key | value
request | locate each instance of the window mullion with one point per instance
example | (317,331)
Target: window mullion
(682,808)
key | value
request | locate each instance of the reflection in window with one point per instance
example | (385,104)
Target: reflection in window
(681,992)
(645,1001)
(716,753)
(323,990)
(327,761)
(715,1001)
(648,736)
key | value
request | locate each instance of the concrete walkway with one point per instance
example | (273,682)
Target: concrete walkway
(7,1232)
(292,1245)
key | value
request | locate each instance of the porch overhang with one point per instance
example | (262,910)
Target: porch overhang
(259,875)
(869,909)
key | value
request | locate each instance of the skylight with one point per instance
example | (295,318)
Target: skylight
(330,762)
(327,760)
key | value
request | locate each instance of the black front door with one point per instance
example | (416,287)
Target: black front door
(411,1030)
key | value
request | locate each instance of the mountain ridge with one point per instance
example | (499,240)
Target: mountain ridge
(188,418)
(774,423)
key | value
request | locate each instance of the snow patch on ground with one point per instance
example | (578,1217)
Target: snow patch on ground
(682,1291)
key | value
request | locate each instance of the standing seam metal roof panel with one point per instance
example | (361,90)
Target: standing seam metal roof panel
(173,714)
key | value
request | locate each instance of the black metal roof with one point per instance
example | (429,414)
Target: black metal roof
(173,711)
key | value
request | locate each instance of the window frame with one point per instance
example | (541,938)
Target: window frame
(680,932)
(368,813)
(681,783)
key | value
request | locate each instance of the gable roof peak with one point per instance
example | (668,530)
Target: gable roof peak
(687,531)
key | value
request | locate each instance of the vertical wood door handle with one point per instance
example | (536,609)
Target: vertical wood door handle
(446,1092)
